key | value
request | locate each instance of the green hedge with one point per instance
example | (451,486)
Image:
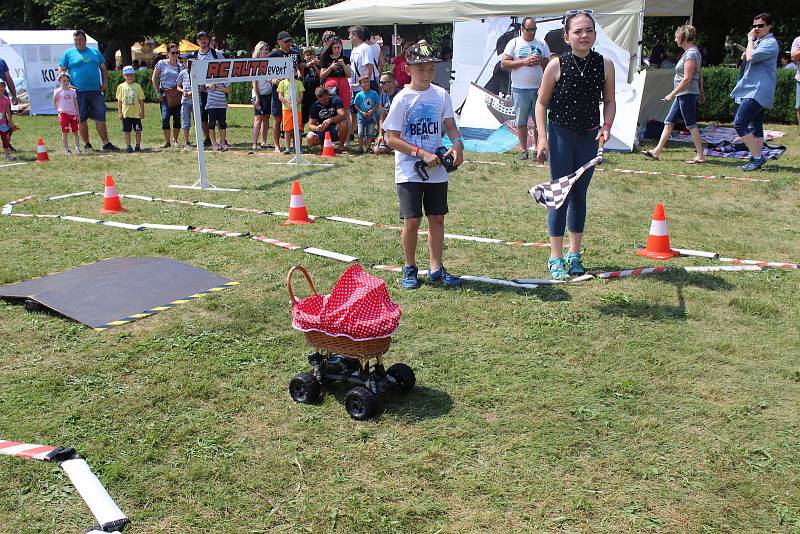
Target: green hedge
(718,83)
(240,92)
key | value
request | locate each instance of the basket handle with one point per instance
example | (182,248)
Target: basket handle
(292,298)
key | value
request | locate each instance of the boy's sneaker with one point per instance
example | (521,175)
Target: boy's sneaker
(224,147)
(187,146)
(754,164)
(88,146)
(110,147)
(164,145)
(137,148)
(216,148)
(254,148)
(442,276)
(523,155)
(129,150)
(287,151)
(67,151)
(265,146)
(207,142)
(77,149)
(575,267)
(557,268)
(409,280)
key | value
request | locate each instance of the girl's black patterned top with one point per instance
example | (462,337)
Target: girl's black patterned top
(575,104)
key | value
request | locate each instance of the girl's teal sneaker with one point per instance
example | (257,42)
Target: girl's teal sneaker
(575,267)
(557,268)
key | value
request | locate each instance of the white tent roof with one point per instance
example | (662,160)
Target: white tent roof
(38,37)
(619,18)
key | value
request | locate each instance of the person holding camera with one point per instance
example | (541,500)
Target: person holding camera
(419,116)
(335,73)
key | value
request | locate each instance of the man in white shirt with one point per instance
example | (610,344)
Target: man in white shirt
(362,63)
(376,44)
(525,56)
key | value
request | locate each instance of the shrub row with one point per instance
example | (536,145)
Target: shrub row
(718,83)
(240,92)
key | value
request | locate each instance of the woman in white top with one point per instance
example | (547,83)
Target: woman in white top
(165,80)
(262,101)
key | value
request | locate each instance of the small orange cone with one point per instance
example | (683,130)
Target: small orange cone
(327,147)
(111,203)
(658,246)
(41,151)
(297,207)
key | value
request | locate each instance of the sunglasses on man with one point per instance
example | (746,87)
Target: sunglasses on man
(384,82)
(758,26)
(530,29)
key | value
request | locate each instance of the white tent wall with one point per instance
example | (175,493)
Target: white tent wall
(474,48)
(619,18)
(38,53)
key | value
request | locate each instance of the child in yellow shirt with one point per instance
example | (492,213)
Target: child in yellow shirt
(130,108)
(288,115)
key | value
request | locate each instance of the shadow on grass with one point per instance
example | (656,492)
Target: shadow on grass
(548,293)
(288,179)
(419,404)
(620,304)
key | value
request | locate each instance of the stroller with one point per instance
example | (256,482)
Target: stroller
(347,330)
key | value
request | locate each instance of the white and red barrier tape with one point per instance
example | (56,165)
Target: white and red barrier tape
(108,515)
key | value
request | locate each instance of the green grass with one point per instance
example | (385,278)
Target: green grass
(665,403)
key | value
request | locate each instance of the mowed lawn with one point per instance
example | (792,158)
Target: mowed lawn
(665,403)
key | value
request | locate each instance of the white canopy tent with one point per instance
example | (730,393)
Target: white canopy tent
(32,57)
(621,19)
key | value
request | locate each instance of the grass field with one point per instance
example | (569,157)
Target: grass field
(661,403)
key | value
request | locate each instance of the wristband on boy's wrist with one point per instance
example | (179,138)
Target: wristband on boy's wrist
(415,151)
(459,139)
(607,125)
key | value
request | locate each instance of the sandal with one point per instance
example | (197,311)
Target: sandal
(650,154)
(695,161)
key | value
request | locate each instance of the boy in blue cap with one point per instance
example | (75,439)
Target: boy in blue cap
(130,108)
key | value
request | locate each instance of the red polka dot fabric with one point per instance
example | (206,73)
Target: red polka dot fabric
(359,308)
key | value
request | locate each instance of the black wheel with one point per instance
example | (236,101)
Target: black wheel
(403,376)
(33,306)
(304,388)
(360,403)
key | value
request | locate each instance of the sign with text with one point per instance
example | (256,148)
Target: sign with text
(241,70)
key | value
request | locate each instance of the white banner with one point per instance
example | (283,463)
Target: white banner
(242,70)
(41,74)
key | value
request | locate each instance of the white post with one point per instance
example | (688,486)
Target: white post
(298,154)
(307,40)
(198,133)
(396,45)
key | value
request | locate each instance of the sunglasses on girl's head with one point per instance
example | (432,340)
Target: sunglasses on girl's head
(758,26)
(573,12)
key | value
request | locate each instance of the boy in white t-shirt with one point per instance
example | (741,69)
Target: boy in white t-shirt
(525,56)
(413,128)
(65,100)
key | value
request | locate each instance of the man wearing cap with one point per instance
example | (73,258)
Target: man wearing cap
(87,71)
(363,63)
(525,56)
(285,49)
(205,53)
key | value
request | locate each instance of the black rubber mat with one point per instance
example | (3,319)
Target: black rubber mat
(120,290)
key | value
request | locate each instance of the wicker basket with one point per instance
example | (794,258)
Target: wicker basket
(369,348)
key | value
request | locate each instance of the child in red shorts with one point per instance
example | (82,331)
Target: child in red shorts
(65,100)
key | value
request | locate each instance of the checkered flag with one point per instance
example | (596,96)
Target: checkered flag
(553,194)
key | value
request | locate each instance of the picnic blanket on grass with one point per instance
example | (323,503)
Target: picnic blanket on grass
(715,134)
(724,149)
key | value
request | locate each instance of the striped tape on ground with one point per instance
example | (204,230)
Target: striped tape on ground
(776,264)
(214,231)
(28,451)
(70,195)
(276,242)
(482,279)
(166,306)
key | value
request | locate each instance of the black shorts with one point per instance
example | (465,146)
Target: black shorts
(217,117)
(277,105)
(264,105)
(413,196)
(131,125)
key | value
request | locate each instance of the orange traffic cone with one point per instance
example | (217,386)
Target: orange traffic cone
(658,240)
(111,203)
(297,207)
(41,151)
(327,147)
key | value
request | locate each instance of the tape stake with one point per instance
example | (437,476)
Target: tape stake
(7,209)
(154,226)
(223,233)
(350,221)
(126,226)
(100,503)
(69,195)
(629,272)
(329,254)
(29,451)
(698,253)
(81,219)
(496,281)
(21,200)
(277,243)
(472,238)
(209,205)
(138,197)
